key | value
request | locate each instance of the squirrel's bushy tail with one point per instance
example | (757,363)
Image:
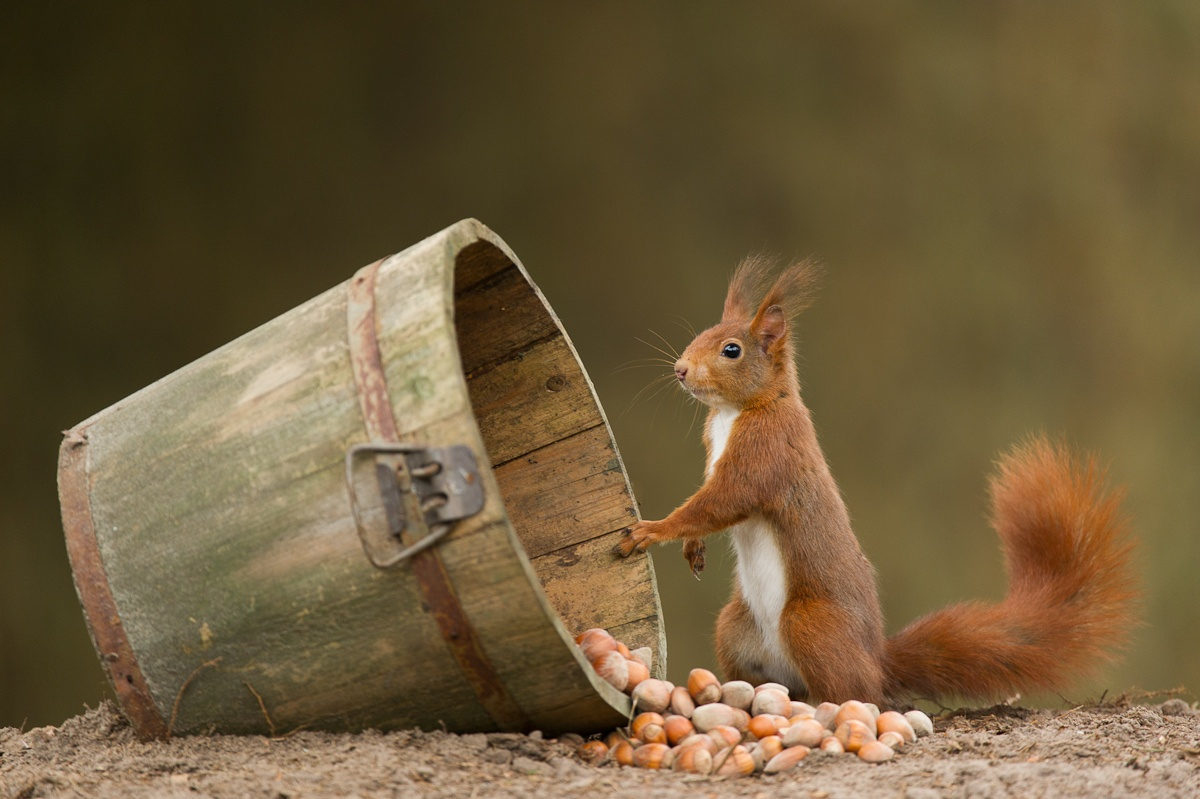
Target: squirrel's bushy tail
(1070,591)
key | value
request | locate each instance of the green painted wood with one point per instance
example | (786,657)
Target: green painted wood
(221,514)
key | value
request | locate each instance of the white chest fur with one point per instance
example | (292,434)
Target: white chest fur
(759,561)
(761,577)
(720,425)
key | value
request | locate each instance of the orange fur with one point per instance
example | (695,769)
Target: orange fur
(1069,596)
(1069,588)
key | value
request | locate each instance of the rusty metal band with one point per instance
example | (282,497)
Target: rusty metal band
(435,585)
(95,594)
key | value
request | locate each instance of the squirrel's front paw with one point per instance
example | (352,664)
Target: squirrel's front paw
(693,553)
(637,538)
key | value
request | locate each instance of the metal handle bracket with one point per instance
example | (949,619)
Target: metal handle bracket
(424,490)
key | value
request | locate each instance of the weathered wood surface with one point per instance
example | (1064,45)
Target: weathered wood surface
(497,319)
(221,515)
(561,476)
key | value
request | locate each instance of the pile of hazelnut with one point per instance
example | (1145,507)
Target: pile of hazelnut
(733,728)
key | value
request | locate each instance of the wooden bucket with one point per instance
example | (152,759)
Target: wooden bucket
(232,528)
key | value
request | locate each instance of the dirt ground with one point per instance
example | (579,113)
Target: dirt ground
(1114,750)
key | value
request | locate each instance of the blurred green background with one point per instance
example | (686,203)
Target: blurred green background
(1007,197)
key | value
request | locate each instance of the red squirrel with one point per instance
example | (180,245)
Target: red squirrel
(805,610)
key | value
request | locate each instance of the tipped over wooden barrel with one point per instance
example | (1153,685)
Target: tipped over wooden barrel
(388,507)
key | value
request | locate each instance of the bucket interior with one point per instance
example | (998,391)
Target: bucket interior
(563,483)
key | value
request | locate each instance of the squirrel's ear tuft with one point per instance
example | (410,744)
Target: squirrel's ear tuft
(793,290)
(790,294)
(745,287)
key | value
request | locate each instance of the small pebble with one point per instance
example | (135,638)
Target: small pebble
(571,739)
(500,756)
(1176,707)
(527,765)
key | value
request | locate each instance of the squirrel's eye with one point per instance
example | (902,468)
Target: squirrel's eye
(731,351)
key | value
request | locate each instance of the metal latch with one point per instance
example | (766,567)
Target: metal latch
(423,490)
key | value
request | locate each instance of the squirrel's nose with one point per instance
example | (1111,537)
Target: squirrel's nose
(681,369)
